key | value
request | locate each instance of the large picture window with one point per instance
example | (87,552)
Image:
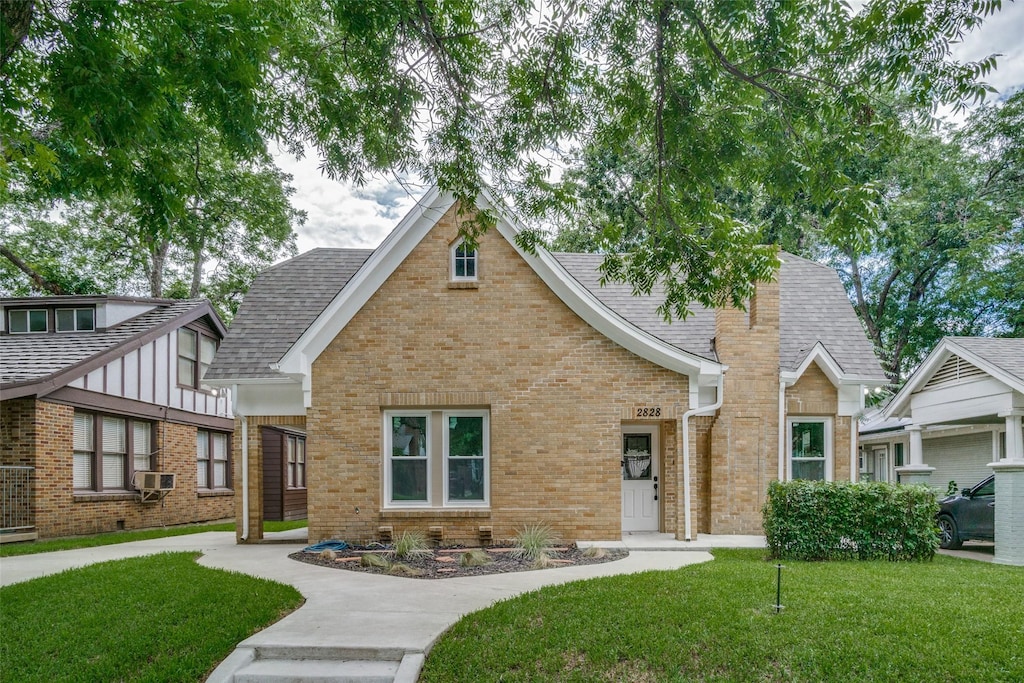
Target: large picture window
(810,449)
(436,458)
(102,444)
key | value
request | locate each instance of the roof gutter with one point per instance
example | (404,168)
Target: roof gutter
(706,410)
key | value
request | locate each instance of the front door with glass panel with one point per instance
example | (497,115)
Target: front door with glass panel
(639,478)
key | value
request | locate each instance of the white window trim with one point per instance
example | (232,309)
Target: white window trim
(827,421)
(388,457)
(451,265)
(486,502)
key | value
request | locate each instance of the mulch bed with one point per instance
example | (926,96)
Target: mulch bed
(443,563)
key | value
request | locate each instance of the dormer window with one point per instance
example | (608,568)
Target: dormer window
(26,321)
(464,265)
(76,319)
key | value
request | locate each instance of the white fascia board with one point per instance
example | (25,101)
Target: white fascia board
(820,355)
(994,370)
(588,307)
(365,283)
(900,406)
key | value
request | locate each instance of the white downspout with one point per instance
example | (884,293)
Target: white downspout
(245,463)
(782,430)
(688,529)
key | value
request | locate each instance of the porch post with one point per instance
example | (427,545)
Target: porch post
(1009,472)
(916,472)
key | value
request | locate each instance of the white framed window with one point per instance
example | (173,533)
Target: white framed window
(195,354)
(464,262)
(407,445)
(27,321)
(76,319)
(84,450)
(810,448)
(466,458)
(296,467)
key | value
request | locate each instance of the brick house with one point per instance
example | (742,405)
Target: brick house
(466,393)
(94,392)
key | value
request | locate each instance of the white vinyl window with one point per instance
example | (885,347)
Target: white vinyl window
(141,447)
(195,354)
(464,262)
(466,441)
(407,444)
(437,458)
(810,448)
(115,453)
(296,474)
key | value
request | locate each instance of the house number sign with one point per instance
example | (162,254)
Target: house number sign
(647,412)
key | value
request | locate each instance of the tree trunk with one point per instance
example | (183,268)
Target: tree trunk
(158,262)
(197,272)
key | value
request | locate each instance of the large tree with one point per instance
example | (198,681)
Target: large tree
(665,106)
(946,256)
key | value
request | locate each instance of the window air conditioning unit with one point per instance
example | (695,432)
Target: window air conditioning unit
(153,486)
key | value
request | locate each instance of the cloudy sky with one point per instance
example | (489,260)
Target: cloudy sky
(341,215)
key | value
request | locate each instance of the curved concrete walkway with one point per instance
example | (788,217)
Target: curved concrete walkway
(349,614)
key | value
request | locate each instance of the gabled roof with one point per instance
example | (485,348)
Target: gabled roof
(282,302)
(813,309)
(36,364)
(296,308)
(1000,357)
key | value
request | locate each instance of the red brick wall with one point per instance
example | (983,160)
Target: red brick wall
(60,511)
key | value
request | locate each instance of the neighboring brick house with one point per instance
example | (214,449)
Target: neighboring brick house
(466,393)
(94,391)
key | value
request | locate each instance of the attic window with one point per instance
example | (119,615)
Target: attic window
(76,319)
(464,262)
(27,321)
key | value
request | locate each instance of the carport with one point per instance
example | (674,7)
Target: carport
(972,381)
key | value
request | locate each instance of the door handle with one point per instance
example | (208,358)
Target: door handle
(655,488)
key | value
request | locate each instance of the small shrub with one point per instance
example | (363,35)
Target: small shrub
(410,544)
(595,552)
(543,561)
(328,554)
(816,520)
(475,557)
(532,542)
(374,560)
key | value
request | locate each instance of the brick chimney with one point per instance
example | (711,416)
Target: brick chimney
(744,437)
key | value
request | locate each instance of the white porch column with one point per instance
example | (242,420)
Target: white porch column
(1009,473)
(916,472)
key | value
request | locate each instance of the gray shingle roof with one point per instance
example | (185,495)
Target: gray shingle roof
(813,307)
(287,298)
(31,358)
(692,335)
(812,302)
(1006,353)
(282,302)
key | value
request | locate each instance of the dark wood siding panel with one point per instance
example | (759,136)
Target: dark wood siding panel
(294,504)
(273,485)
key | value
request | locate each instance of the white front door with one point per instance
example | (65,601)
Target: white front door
(881,463)
(640,478)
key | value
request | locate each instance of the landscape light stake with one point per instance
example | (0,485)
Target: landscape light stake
(778,589)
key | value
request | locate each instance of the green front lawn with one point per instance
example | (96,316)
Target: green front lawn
(944,620)
(156,618)
(76,542)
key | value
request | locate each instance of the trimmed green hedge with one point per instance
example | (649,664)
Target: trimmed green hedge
(817,520)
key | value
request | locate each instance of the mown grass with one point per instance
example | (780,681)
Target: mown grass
(76,542)
(944,620)
(156,618)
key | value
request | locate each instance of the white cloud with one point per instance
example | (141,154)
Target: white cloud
(342,215)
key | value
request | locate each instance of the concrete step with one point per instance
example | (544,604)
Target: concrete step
(317,671)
